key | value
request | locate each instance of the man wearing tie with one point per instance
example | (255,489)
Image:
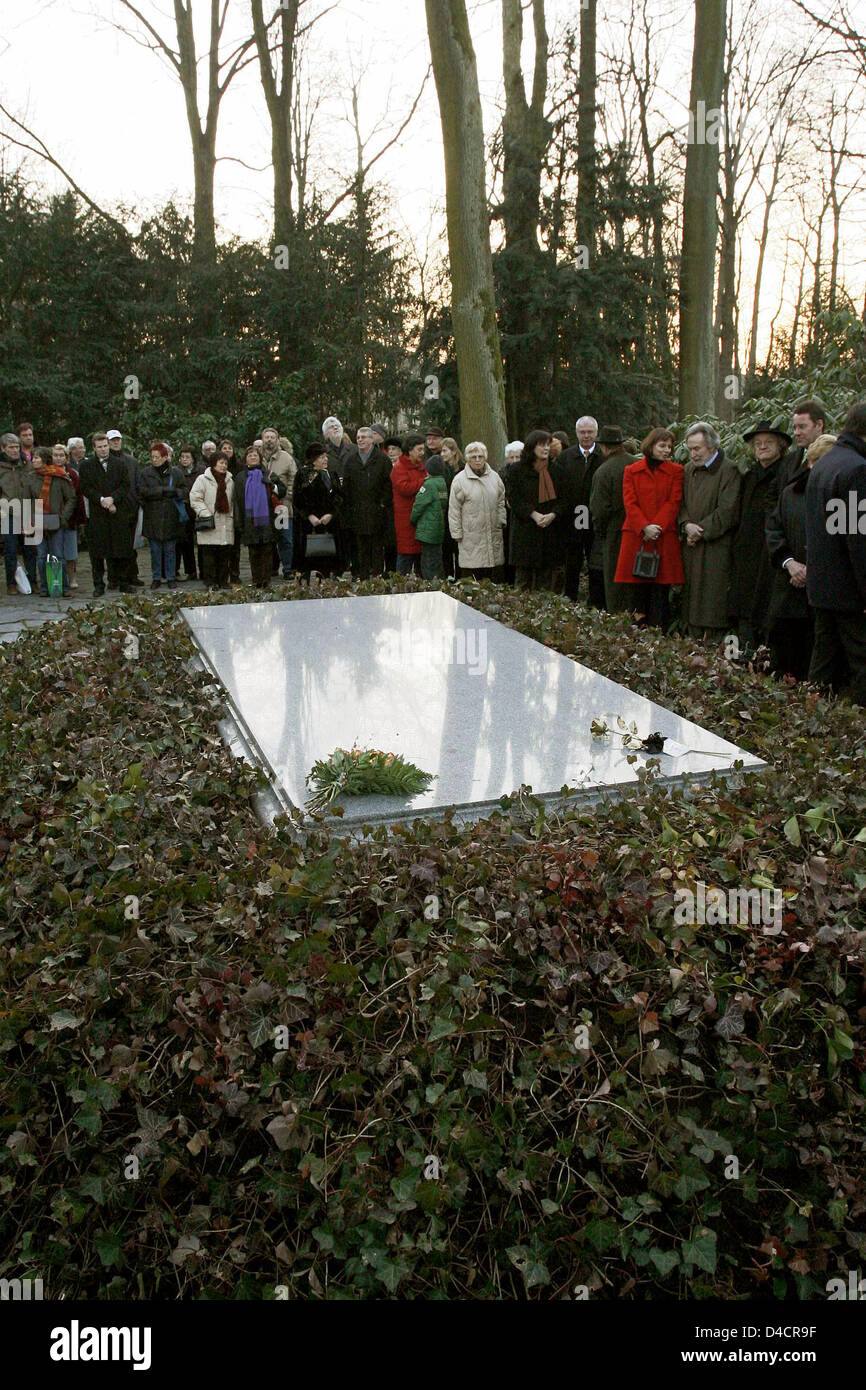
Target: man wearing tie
(580,463)
(105,485)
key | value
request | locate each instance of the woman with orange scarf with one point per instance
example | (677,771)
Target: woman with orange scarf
(58,501)
(536,494)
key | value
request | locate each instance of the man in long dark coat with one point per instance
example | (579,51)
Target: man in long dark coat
(751,571)
(367,499)
(578,466)
(105,485)
(836,567)
(608,513)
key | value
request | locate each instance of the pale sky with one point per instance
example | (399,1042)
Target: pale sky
(113,113)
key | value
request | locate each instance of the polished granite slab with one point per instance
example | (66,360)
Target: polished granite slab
(484,708)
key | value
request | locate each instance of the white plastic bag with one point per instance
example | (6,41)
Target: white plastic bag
(21,580)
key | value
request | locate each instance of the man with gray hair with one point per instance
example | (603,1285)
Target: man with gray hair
(338,445)
(580,464)
(207,456)
(707,520)
(77,450)
(367,500)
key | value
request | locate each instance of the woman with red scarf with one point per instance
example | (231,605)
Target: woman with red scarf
(537,495)
(652,490)
(211,499)
(79,517)
(58,502)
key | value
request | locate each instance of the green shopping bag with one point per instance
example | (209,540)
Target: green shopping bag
(54,576)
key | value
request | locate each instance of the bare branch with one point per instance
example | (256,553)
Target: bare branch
(161,43)
(362,172)
(41,149)
(233,159)
(305,28)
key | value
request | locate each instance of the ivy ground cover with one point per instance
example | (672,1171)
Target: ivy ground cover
(484,1061)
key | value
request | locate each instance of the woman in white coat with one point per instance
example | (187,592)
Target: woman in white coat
(476,516)
(212,500)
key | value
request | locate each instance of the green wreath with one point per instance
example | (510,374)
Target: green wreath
(364,772)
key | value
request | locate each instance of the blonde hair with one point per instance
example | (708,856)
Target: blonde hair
(454,447)
(818,448)
(60,445)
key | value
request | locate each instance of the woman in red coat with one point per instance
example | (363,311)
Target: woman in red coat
(652,490)
(407,478)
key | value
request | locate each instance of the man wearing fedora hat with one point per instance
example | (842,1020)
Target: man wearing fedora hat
(751,570)
(607,509)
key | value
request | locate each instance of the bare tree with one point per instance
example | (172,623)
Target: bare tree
(363,168)
(291,114)
(473,307)
(758,123)
(700,228)
(525,137)
(179,51)
(838,25)
(278,85)
(642,67)
(780,147)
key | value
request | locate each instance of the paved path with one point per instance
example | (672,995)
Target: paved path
(19,613)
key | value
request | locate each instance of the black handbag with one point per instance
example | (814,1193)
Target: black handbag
(320,546)
(205,523)
(646,564)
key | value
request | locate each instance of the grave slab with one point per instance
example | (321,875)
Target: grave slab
(482,707)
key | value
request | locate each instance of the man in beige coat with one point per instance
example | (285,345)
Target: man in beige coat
(281,465)
(707,520)
(477,516)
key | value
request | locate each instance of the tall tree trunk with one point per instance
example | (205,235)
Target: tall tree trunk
(813,343)
(557,222)
(759,274)
(642,83)
(700,224)
(473,308)
(727,299)
(278,88)
(360,364)
(774,320)
(795,326)
(587,179)
(525,140)
(203,136)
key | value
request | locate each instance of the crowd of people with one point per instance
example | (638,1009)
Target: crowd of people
(771,554)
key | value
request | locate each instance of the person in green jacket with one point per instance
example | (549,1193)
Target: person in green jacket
(428,518)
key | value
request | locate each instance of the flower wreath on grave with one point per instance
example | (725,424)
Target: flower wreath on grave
(364,772)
